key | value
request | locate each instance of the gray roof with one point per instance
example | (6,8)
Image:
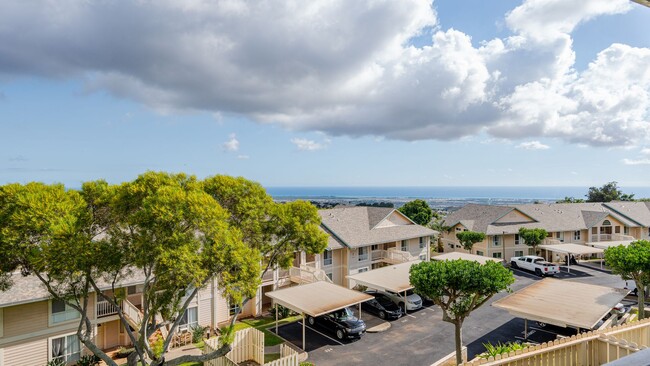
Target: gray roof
(355,226)
(552,217)
(28,289)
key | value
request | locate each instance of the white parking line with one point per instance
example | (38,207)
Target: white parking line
(324,335)
(411,316)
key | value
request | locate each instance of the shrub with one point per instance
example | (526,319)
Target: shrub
(197,333)
(56,362)
(88,360)
(124,352)
(282,312)
(500,348)
(157,346)
(305,363)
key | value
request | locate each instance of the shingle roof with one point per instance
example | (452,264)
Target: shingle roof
(552,217)
(355,226)
(30,289)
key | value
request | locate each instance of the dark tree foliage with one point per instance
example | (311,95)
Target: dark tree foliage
(418,211)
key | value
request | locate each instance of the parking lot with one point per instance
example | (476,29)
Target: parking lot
(421,338)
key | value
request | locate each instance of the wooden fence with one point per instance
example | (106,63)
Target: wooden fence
(591,348)
(248,345)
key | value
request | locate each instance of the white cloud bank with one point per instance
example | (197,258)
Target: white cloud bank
(533,145)
(340,67)
(308,145)
(232,144)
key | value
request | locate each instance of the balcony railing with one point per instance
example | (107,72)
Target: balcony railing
(392,255)
(611,237)
(105,308)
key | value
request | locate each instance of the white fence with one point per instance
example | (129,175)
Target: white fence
(248,345)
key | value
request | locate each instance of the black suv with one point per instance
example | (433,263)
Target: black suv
(342,323)
(382,306)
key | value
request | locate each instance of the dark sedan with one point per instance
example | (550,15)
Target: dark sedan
(342,323)
(382,306)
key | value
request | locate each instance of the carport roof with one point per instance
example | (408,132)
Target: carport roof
(394,278)
(470,257)
(317,298)
(562,303)
(571,249)
(608,244)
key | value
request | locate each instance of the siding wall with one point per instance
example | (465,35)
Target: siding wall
(31,353)
(25,319)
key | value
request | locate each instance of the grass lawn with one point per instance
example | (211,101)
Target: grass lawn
(268,357)
(270,339)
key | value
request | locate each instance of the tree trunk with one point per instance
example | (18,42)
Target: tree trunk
(641,299)
(459,342)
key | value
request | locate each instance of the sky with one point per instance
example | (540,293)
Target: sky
(326,92)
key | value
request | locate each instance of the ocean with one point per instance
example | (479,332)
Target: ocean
(438,197)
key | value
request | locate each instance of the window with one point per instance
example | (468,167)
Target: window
(363,254)
(190,318)
(478,252)
(519,253)
(576,235)
(495,240)
(517,239)
(560,236)
(496,255)
(60,312)
(65,348)
(626,230)
(458,228)
(374,247)
(451,246)
(617,229)
(131,290)
(423,242)
(327,258)
(606,223)
(233,307)
(594,230)
(362,269)
(405,246)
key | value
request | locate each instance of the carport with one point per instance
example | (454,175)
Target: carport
(562,303)
(394,278)
(315,299)
(466,256)
(572,249)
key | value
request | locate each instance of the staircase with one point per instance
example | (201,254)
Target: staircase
(307,274)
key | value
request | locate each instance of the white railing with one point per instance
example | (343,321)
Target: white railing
(377,255)
(306,274)
(392,255)
(132,313)
(550,241)
(105,308)
(611,237)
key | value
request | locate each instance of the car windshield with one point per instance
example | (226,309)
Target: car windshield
(384,301)
(343,314)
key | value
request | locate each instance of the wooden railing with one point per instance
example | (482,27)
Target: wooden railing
(132,313)
(392,256)
(591,348)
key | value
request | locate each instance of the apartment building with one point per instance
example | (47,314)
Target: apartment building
(580,223)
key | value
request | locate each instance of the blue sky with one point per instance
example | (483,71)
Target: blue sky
(385,93)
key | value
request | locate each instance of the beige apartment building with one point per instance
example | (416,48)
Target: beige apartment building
(594,224)
(35,329)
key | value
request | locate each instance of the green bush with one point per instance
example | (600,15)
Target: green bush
(305,363)
(282,312)
(88,360)
(500,348)
(56,362)
(157,346)
(197,333)
(124,352)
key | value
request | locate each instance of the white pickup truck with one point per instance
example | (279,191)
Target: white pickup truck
(535,264)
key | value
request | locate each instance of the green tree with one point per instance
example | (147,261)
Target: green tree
(459,287)
(632,263)
(469,238)
(418,211)
(608,192)
(568,199)
(438,224)
(161,227)
(533,237)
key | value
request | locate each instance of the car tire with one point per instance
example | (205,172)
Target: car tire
(635,292)
(311,320)
(382,315)
(402,306)
(539,272)
(340,334)
(514,265)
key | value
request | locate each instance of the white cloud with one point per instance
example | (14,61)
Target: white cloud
(341,68)
(232,144)
(645,161)
(309,145)
(532,145)
(243,157)
(645,151)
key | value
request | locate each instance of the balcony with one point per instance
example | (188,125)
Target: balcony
(611,237)
(392,256)
(104,308)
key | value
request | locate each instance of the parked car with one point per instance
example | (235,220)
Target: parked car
(382,306)
(413,300)
(342,323)
(631,285)
(535,264)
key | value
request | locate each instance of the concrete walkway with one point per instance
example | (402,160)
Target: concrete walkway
(182,351)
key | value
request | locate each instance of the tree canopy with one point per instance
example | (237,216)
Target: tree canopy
(632,263)
(608,192)
(568,199)
(418,211)
(533,237)
(169,229)
(459,287)
(469,238)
